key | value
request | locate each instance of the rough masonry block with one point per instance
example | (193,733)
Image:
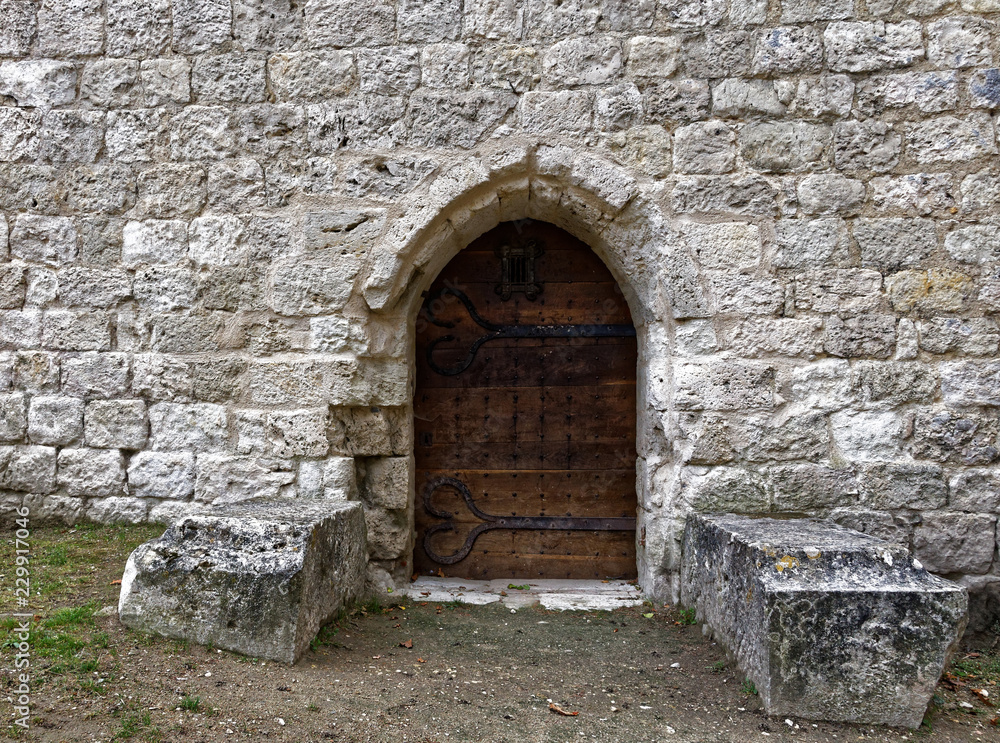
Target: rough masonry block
(827,622)
(258,579)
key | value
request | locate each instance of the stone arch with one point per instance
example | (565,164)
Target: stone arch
(601,204)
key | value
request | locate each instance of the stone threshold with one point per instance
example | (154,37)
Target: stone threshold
(561,595)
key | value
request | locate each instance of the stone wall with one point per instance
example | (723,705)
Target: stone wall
(216,218)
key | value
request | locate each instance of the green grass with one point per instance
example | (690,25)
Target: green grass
(56,556)
(718,667)
(749,688)
(137,724)
(72,573)
(190,704)
(76,615)
(985,668)
(688,616)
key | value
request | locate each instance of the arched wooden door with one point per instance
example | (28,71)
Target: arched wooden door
(524,413)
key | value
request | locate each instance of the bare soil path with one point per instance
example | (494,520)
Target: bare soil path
(426,672)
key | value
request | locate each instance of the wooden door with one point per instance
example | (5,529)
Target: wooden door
(525,411)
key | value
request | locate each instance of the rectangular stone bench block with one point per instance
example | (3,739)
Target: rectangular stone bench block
(259,578)
(828,623)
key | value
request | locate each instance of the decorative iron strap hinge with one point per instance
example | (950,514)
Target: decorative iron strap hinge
(506,331)
(491,522)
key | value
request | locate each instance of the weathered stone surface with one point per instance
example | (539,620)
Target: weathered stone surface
(43,82)
(723,384)
(387,483)
(811,243)
(55,420)
(48,240)
(153,474)
(956,542)
(120,424)
(92,473)
(891,244)
(176,426)
(862,47)
(165,80)
(704,147)
(782,147)
(784,597)
(894,486)
(869,435)
(311,75)
(959,42)
(803,487)
(949,139)
(871,145)
(258,579)
(223,479)
(28,469)
(101,375)
(974,490)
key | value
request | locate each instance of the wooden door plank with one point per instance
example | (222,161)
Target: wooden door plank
(534,426)
(601,361)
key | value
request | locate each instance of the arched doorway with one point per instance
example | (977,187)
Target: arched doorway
(525,413)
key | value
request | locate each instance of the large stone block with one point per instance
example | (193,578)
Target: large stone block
(828,623)
(38,82)
(70,27)
(343,23)
(92,473)
(18,28)
(258,579)
(29,469)
(153,474)
(956,542)
(55,420)
(201,25)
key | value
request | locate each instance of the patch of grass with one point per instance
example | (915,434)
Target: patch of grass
(73,616)
(687,616)
(94,687)
(718,667)
(190,704)
(981,666)
(56,556)
(749,688)
(135,723)
(325,637)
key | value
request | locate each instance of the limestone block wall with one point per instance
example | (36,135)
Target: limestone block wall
(216,218)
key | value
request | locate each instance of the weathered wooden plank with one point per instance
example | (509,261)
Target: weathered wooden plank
(552,363)
(534,426)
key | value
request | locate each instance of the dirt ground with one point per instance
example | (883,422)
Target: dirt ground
(420,672)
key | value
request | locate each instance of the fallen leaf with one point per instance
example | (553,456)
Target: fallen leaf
(649,615)
(116,582)
(560,711)
(421,660)
(440,573)
(413,578)
(407,644)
